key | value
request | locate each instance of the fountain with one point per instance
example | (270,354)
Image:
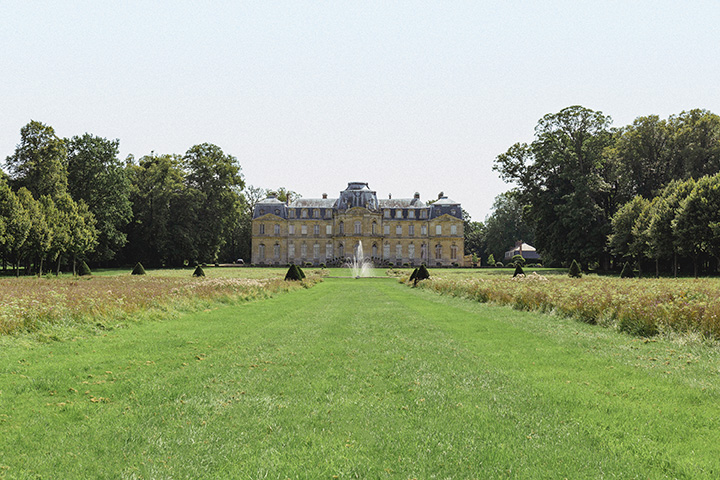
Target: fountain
(359,265)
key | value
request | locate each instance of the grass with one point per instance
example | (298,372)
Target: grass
(360,379)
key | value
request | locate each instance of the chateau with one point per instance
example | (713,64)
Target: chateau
(329,230)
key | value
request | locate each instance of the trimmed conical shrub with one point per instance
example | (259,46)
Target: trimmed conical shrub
(138,270)
(294,273)
(84,269)
(422,273)
(302,274)
(627,271)
(575,271)
(413,275)
(518,271)
(199,272)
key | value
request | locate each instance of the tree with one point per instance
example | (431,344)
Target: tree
(626,241)
(506,225)
(96,176)
(165,213)
(216,178)
(15,224)
(697,222)
(642,153)
(80,223)
(695,144)
(39,238)
(38,163)
(566,183)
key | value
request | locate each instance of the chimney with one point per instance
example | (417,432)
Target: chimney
(441,195)
(417,195)
(325,195)
(390,196)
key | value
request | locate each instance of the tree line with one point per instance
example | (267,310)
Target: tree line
(64,200)
(579,183)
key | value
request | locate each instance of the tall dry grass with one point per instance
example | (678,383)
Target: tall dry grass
(637,306)
(31,304)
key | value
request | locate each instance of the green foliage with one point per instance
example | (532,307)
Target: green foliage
(506,225)
(199,272)
(499,264)
(422,273)
(518,270)
(575,271)
(294,273)
(413,275)
(97,177)
(518,260)
(84,269)
(138,270)
(491,260)
(627,271)
(39,161)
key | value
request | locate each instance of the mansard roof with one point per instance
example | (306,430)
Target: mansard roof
(313,203)
(402,203)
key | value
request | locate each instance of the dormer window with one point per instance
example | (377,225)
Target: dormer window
(262,211)
(292,213)
(423,213)
(304,213)
(277,212)
(398,213)
(386,213)
(411,213)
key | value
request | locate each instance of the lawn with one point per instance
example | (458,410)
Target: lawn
(360,379)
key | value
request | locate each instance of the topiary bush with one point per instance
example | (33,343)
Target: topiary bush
(518,270)
(491,260)
(627,271)
(518,260)
(575,271)
(413,275)
(138,270)
(294,273)
(84,269)
(499,264)
(199,272)
(422,274)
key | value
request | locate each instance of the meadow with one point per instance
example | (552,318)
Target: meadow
(352,378)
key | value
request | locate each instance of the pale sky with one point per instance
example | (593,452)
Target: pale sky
(407,96)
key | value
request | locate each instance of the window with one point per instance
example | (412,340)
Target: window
(411,230)
(276,230)
(262,211)
(358,227)
(398,251)
(423,251)
(303,250)
(316,213)
(386,229)
(438,252)
(374,228)
(261,251)
(276,250)
(303,229)
(328,213)
(328,229)
(386,213)
(453,211)
(453,252)
(341,250)
(374,250)
(328,250)
(316,250)
(398,230)
(304,213)
(423,213)
(316,229)
(342,228)
(398,213)
(277,212)
(453,229)
(411,213)
(411,251)
(438,229)
(423,230)
(386,251)
(291,251)
(292,213)
(291,229)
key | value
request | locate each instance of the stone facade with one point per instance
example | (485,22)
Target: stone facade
(329,230)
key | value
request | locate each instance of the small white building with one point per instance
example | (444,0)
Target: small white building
(528,252)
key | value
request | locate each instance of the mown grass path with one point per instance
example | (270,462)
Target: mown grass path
(359,379)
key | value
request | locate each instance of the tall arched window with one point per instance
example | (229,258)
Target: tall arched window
(398,251)
(328,250)
(386,251)
(453,252)
(358,227)
(277,229)
(374,250)
(374,228)
(341,228)
(438,252)
(261,251)
(276,250)
(411,251)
